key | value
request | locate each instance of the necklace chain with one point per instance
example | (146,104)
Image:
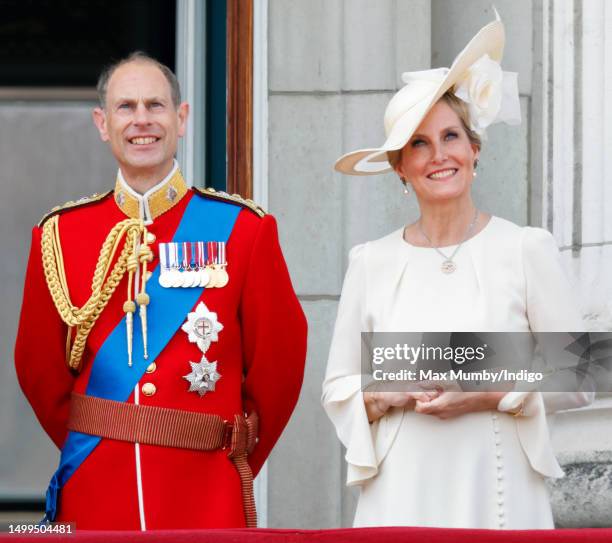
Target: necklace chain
(448,266)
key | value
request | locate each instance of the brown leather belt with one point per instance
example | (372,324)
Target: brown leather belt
(171,428)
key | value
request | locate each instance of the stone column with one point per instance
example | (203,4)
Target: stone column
(333,65)
(574,201)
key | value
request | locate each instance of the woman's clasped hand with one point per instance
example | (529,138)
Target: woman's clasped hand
(443,404)
(453,403)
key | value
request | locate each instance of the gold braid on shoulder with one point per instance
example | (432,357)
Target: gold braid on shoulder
(135,251)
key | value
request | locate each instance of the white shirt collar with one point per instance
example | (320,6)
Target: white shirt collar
(143,199)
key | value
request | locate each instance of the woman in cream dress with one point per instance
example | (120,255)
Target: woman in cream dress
(449,459)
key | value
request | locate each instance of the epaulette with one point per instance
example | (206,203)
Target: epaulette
(234,198)
(86,200)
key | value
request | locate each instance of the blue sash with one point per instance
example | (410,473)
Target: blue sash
(111,378)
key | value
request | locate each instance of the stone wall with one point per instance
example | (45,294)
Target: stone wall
(333,65)
(50,153)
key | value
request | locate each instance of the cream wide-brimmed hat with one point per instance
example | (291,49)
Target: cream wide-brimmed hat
(423,89)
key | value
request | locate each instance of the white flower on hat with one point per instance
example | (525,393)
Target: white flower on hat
(481,89)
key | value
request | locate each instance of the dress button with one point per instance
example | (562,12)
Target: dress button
(498,453)
(500,501)
(500,476)
(494,416)
(151,367)
(497,441)
(148,389)
(150,237)
(502,523)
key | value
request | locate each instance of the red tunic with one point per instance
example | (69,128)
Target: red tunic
(260,353)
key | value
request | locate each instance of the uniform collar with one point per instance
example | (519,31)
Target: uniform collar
(157,200)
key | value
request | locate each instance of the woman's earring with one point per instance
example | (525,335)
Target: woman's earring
(405,183)
(475,167)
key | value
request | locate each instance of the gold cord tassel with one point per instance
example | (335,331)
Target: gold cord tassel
(104,283)
(129,306)
(69,343)
(142,298)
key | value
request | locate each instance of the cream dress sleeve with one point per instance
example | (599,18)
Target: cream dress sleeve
(342,395)
(551,307)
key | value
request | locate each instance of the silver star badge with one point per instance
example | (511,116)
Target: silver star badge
(203,376)
(202,327)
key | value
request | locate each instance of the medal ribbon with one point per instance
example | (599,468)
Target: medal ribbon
(192,255)
(200,255)
(175,256)
(185,255)
(111,377)
(209,253)
(164,259)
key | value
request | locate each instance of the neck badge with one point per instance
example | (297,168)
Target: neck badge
(202,328)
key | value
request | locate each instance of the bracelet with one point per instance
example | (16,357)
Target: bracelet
(520,411)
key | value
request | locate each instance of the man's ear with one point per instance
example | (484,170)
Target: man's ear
(99,119)
(183,115)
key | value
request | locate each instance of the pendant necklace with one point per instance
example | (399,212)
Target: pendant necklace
(448,265)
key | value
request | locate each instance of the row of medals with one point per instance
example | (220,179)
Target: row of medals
(175,275)
(213,276)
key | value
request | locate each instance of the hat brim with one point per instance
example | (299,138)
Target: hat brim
(488,41)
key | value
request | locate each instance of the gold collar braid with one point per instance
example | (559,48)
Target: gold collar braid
(155,201)
(105,280)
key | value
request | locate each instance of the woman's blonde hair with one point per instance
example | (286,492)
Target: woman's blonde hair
(462,111)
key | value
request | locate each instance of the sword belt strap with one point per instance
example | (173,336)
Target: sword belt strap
(166,427)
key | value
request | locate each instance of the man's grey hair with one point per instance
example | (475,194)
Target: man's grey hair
(138,56)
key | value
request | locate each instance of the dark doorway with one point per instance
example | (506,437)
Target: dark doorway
(66,43)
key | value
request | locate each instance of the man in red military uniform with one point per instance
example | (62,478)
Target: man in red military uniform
(152,375)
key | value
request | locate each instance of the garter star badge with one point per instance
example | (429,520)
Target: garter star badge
(203,376)
(202,327)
